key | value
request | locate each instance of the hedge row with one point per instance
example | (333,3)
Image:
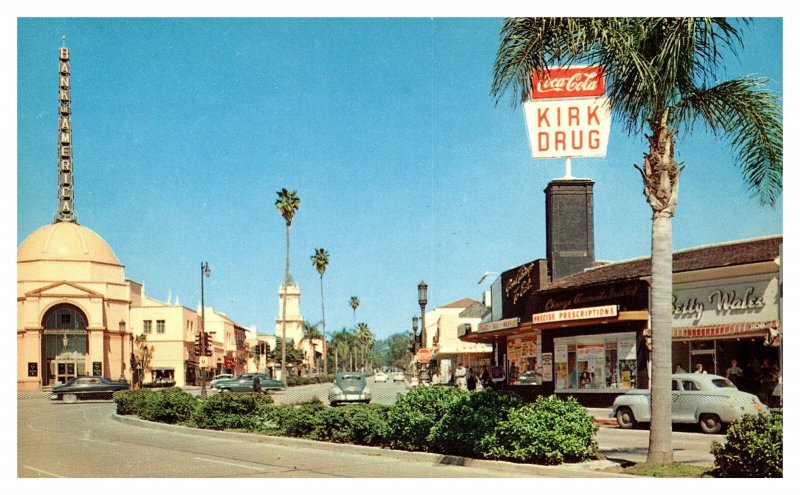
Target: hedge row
(488,424)
(293,381)
(753,448)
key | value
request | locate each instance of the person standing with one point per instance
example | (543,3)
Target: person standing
(698,369)
(486,379)
(472,380)
(257,384)
(734,373)
(461,376)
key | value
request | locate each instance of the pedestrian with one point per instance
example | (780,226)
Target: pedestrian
(486,379)
(461,376)
(257,384)
(734,373)
(679,368)
(472,380)
(698,369)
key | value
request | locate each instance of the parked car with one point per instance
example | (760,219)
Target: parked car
(350,386)
(711,401)
(398,376)
(244,383)
(221,376)
(87,387)
(381,377)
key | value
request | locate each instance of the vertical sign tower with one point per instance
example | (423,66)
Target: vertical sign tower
(66,210)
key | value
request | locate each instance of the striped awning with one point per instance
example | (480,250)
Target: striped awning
(738,330)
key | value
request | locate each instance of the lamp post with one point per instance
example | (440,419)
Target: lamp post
(121,350)
(205,271)
(422,297)
(414,323)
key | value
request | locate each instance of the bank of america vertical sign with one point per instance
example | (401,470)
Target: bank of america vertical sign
(568,114)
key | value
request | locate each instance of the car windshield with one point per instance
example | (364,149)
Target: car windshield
(350,377)
(723,383)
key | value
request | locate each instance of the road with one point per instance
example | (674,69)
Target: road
(83,441)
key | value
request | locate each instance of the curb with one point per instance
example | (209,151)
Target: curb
(588,469)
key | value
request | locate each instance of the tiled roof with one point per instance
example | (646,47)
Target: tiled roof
(474,310)
(461,303)
(699,258)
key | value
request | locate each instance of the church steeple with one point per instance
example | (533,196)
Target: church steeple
(66,209)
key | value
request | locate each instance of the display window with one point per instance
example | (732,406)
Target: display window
(595,362)
(525,359)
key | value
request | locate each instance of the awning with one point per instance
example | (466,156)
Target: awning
(621,317)
(728,330)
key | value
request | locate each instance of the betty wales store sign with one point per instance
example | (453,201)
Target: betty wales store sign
(568,114)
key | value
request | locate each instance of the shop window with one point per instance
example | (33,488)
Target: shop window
(595,362)
(160,326)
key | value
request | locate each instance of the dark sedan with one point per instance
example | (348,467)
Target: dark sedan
(244,383)
(87,388)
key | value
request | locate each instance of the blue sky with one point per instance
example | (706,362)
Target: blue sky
(184,129)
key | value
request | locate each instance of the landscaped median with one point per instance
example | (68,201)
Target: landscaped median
(482,425)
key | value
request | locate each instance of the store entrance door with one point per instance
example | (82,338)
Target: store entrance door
(63,370)
(706,357)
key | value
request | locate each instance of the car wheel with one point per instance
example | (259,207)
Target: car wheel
(625,418)
(225,390)
(70,398)
(710,423)
(334,403)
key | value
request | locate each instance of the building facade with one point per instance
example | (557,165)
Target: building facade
(443,325)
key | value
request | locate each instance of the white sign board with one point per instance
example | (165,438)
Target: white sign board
(568,128)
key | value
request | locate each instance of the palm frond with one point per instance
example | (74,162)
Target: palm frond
(751,117)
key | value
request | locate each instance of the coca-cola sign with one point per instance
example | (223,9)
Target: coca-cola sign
(568,82)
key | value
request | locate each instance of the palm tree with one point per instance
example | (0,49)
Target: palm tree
(365,340)
(343,345)
(661,79)
(320,260)
(287,204)
(354,302)
(311,333)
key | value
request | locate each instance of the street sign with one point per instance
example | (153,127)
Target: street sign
(424,355)
(204,361)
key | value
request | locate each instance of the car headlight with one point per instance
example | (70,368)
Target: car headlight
(336,391)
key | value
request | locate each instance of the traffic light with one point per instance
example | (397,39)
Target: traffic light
(198,344)
(207,345)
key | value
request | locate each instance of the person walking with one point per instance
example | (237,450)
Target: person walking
(461,376)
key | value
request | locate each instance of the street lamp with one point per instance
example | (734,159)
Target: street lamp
(205,271)
(121,350)
(422,297)
(414,323)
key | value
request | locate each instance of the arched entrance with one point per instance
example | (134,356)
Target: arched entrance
(64,344)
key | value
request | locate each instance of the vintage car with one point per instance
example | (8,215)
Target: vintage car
(711,401)
(380,376)
(398,376)
(244,383)
(350,386)
(86,388)
(220,377)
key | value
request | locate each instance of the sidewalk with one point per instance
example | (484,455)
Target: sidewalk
(602,416)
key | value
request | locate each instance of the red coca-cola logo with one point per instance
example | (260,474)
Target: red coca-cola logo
(573,82)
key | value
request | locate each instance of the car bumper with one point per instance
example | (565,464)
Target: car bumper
(350,397)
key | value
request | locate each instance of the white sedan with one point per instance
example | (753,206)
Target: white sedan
(708,400)
(380,376)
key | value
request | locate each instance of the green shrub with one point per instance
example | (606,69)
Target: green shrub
(170,405)
(298,420)
(361,424)
(549,431)
(469,420)
(412,417)
(753,448)
(131,401)
(231,411)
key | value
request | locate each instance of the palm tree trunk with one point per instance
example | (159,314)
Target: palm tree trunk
(283,315)
(661,176)
(324,339)
(660,447)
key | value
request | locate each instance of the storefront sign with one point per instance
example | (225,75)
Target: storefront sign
(568,114)
(97,368)
(725,301)
(498,325)
(33,369)
(576,314)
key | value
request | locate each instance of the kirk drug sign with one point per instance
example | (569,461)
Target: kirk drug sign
(568,114)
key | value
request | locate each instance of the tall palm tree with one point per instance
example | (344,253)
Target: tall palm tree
(354,302)
(365,340)
(320,260)
(661,79)
(287,205)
